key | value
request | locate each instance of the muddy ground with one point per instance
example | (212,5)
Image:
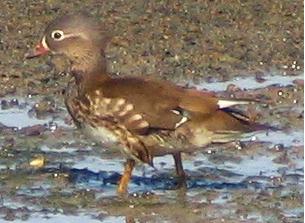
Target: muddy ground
(50,173)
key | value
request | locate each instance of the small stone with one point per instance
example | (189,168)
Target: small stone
(259,78)
(34,130)
(14,102)
(52,126)
(253,138)
(232,88)
(4,105)
(135,195)
(279,147)
(239,145)
(38,162)
(280,93)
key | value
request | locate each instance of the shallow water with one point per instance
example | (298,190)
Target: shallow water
(55,218)
(20,115)
(249,82)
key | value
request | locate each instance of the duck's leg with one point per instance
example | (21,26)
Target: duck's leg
(123,184)
(179,170)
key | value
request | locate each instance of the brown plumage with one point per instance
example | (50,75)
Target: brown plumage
(141,117)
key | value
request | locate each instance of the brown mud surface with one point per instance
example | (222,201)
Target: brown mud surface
(49,172)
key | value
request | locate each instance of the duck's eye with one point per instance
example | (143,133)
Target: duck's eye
(57,35)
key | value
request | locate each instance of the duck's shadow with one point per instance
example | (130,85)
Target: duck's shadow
(155,182)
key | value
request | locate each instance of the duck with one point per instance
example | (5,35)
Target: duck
(141,117)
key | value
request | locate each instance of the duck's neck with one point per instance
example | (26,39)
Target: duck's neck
(89,72)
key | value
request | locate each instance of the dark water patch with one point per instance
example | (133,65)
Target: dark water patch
(161,182)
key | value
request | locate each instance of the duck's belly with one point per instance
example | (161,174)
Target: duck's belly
(107,139)
(102,135)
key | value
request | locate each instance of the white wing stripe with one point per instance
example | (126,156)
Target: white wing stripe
(183,120)
(229,103)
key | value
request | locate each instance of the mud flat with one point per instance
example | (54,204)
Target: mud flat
(50,173)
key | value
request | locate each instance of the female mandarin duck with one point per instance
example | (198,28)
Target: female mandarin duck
(141,117)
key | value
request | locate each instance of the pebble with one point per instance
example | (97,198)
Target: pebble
(38,162)
(34,130)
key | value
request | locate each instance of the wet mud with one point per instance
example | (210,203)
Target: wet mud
(50,172)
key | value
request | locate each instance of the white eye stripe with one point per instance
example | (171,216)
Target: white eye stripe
(81,35)
(59,35)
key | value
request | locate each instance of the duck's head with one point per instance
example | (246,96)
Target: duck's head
(78,36)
